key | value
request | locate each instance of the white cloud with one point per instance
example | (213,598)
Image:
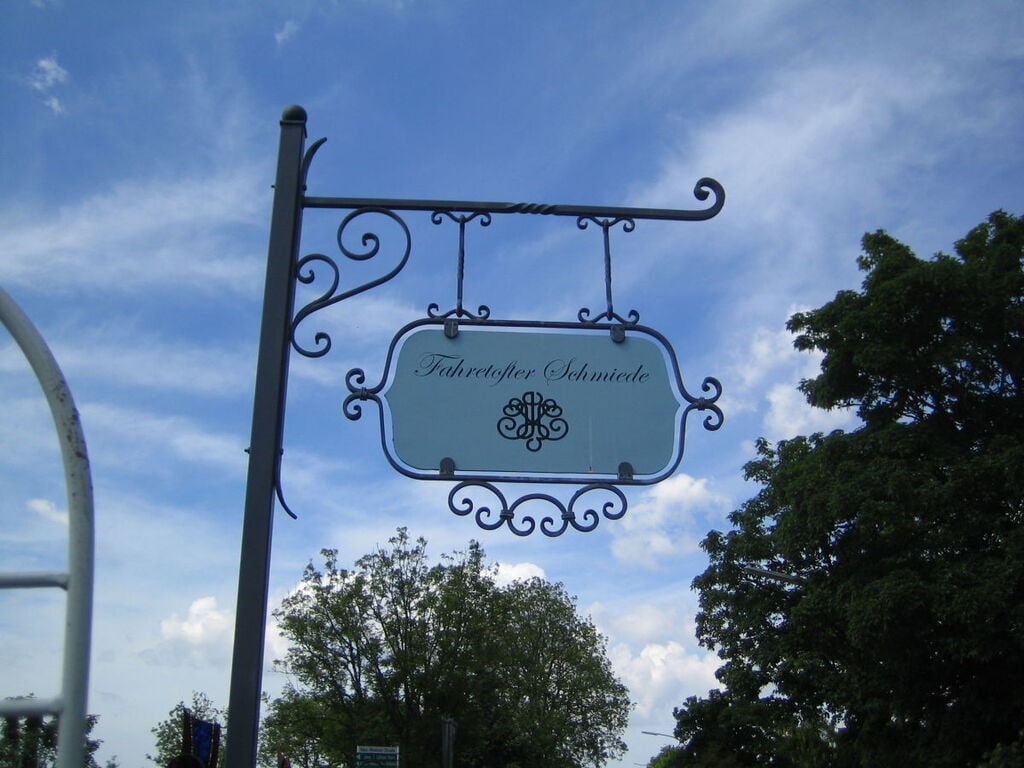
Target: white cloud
(144,361)
(766,351)
(47,74)
(139,435)
(641,622)
(277,644)
(509,572)
(663,523)
(827,113)
(765,377)
(790,415)
(831,143)
(287,32)
(163,233)
(661,675)
(48,510)
(205,632)
(812,149)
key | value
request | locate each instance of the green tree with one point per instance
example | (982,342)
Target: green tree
(897,641)
(167,734)
(31,742)
(384,653)
(667,757)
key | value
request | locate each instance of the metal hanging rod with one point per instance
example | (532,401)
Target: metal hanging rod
(703,189)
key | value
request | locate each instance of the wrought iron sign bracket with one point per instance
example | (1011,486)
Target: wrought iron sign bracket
(532,418)
(310,269)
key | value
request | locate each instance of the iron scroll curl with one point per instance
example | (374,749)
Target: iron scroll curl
(714,420)
(461,502)
(305,273)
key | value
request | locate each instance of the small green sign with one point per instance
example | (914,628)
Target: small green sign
(376,757)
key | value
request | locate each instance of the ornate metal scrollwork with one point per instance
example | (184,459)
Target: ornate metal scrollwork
(500,512)
(483,311)
(610,315)
(714,419)
(355,381)
(305,273)
(533,418)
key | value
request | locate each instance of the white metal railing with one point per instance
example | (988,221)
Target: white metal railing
(69,707)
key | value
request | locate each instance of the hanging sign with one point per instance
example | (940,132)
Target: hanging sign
(566,403)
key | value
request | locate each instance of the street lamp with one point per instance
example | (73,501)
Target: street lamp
(786,577)
(655,733)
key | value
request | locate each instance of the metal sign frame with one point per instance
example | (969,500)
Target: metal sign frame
(479,494)
(359,393)
(280,332)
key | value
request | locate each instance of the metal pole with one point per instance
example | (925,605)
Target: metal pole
(265,445)
(70,708)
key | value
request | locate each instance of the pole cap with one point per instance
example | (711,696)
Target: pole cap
(293,114)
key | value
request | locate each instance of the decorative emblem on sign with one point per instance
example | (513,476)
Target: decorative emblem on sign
(533,418)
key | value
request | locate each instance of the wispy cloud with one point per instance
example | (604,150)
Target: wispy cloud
(147,362)
(28,434)
(663,523)
(764,376)
(821,122)
(46,76)
(138,437)
(834,141)
(287,32)
(54,105)
(47,510)
(168,232)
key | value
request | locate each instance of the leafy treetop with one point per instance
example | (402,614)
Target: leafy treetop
(896,641)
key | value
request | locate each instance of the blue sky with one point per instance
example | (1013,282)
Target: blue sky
(137,159)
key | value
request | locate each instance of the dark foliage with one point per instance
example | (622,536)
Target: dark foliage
(902,640)
(31,742)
